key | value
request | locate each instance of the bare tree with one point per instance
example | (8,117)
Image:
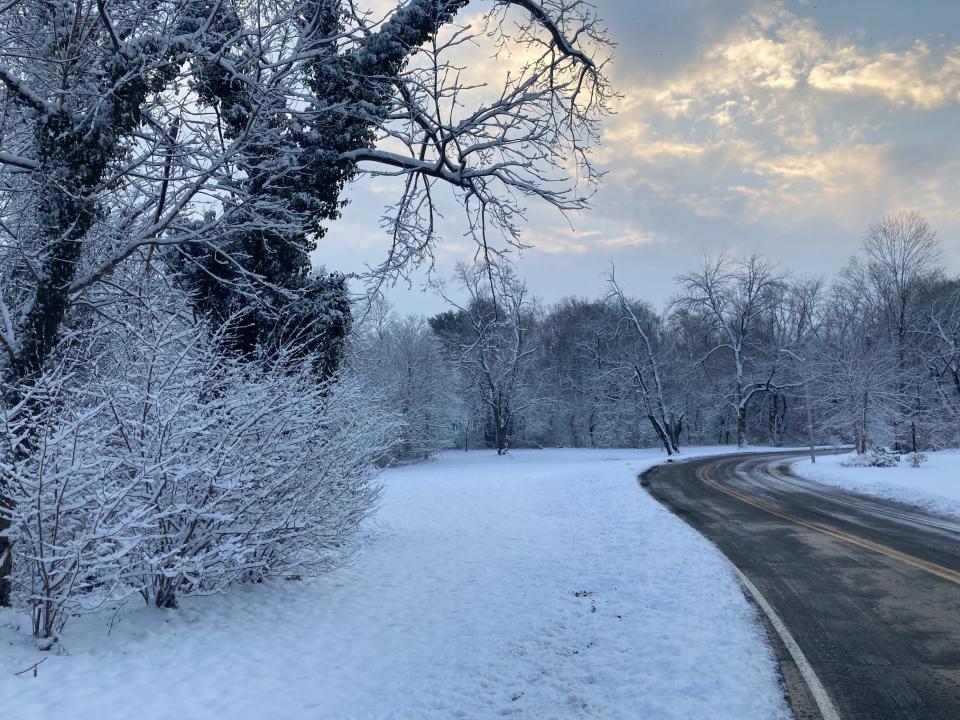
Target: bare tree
(645,370)
(799,328)
(590,405)
(736,298)
(942,351)
(493,332)
(855,371)
(495,147)
(901,251)
(402,360)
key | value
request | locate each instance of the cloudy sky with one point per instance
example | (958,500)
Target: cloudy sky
(786,126)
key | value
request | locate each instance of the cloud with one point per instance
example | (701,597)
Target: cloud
(562,241)
(848,182)
(630,237)
(914,77)
(565,241)
(777,121)
(778,52)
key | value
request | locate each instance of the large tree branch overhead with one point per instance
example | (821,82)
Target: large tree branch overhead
(496,146)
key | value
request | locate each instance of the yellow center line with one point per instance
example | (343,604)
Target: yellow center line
(939,570)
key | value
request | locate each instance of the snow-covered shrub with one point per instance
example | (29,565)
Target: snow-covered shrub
(76,525)
(917,459)
(254,470)
(160,466)
(874,457)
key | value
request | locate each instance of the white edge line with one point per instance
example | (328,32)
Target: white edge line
(824,704)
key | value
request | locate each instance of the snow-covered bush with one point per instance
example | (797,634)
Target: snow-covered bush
(874,457)
(160,466)
(76,524)
(917,459)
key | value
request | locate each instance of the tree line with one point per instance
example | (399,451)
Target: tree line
(743,353)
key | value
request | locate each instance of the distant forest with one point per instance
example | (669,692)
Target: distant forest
(745,352)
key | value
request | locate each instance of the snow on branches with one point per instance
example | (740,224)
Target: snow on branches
(161,467)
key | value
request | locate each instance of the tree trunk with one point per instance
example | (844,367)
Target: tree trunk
(862,440)
(779,419)
(499,432)
(502,442)
(806,394)
(661,433)
(166,595)
(674,428)
(6,562)
(773,410)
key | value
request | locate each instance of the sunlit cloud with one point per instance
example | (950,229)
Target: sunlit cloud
(754,126)
(566,241)
(631,238)
(562,241)
(914,77)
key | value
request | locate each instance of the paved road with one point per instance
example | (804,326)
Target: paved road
(869,589)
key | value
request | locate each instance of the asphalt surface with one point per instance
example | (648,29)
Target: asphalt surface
(869,589)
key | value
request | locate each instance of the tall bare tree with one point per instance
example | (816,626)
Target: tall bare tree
(644,365)
(493,333)
(900,253)
(736,298)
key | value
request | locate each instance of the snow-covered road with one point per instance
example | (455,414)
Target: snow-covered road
(544,584)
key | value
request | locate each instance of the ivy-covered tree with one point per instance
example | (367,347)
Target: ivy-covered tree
(209,141)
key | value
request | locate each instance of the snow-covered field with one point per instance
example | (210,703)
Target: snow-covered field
(935,485)
(544,584)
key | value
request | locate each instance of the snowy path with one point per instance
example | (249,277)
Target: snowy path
(542,585)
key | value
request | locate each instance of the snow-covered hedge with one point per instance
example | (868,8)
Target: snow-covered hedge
(874,457)
(150,463)
(880,458)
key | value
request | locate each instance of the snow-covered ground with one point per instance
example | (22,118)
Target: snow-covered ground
(935,485)
(544,584)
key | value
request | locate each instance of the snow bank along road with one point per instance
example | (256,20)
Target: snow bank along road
(869,589)
(934,486)
(544,584)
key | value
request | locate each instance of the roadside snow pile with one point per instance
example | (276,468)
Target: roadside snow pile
(933,483)
(540,584)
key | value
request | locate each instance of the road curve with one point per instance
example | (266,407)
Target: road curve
(868,589)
